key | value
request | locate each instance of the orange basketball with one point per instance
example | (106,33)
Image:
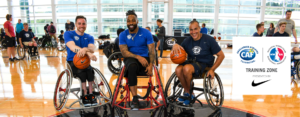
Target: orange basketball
(81,63)
(178,58)
(219,38)
(215,37)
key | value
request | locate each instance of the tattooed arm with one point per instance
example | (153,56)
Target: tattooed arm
(127,54)
(151,53)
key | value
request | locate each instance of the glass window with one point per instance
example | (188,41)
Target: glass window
(40,29)
(250,2)
(3,3)
(204,9)
(87,1)
(227,21)
(87,10)
(20,2)
(273,11)
(64,19)
(24,19)
(66,10)
(23,11)
(137,8)
(111,1)
(3,11)
(226,37)
(231,2)
(250,10)
(247,21)
(2,20)
(43,11)
(204,1)
(183,1)
(246,30)
(298,31)
(228,11)
(292,3)
(92,28)
(133,1)
(183,8)
(65,1)
(44,20)
(41,2)
(274,3)
(112,8)
(227,29)
(91,19)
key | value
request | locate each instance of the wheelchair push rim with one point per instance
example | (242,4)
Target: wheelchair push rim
(61,93)
(115,62)
(213,91)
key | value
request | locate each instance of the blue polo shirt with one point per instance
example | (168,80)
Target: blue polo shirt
(203,30)
(139,45)
(19,27)
(80,41)
(202,49)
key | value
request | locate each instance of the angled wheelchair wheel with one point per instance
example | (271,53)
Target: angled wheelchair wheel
(61,46)
(40,42)
(62,90)
(115,62)
(173,88)
(21,52)
(213,91)
(102,85)
(298,69)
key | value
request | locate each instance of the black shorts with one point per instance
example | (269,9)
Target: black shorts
(83,74)
(11,41)
(198,67)
(141,68)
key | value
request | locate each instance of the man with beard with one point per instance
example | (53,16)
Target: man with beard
(137,47)
(81,44)
(201,49)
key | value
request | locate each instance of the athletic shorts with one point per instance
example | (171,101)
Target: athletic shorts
(141,68)
(11,41)
(198,67)
(83,74)
(27,43)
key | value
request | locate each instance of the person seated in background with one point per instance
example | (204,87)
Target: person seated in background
(260,29)
(61,37)
(26,38)
(155,39)
(270,31)
(2,34)
(281,32)
(203,29)
(116,48)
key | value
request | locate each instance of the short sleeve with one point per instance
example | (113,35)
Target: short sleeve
(214,46)
(293,26)
(21,35)
(68,36)
(149,38)
(5,25)
(122,38)
(91,40)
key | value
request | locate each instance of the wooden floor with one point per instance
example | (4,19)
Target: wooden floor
(27,86)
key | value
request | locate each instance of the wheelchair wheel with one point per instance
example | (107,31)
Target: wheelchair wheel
(115,62)
(61,46)
(101,85)
(298,69)
(173,88)
(62,90)
(21,52)
(40,42)
(213,91)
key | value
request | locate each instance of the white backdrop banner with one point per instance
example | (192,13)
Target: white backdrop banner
(261,65)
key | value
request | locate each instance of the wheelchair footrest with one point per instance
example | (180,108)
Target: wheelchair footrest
(191,106)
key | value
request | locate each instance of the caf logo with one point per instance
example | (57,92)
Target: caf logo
(171,41)
(247,54)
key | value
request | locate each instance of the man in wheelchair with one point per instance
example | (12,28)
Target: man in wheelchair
(201,49)
(81,44)
(137,47)
(26,38)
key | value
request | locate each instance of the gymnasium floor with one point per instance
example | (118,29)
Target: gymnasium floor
(27,86)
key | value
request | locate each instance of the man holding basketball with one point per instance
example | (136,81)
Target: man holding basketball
(137,47)
(82,44)
(201,49)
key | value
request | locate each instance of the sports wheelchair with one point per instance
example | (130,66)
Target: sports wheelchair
(61,46)
(63,88)
(154,92)
(295,68)
(47,42)
(115,62)
(22,52)
(212,89)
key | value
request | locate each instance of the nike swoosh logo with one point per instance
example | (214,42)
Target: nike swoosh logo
(83,61)
(256,84)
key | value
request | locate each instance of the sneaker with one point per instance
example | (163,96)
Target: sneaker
(187,102)
(181,99)
(11,60)
(15,58)
(86,101)
(135,103)
(93,100)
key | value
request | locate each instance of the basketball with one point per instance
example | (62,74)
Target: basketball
(219,38)
(178,58)
(215,37)
(81,63)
